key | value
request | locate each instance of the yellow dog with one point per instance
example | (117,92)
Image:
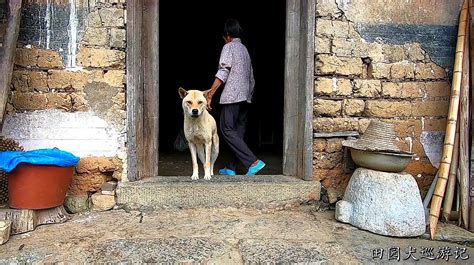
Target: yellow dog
(200,130)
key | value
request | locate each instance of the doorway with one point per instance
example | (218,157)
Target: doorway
(144,85)
(190,45)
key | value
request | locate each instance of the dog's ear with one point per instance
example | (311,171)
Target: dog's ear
(206,92)
(182,92)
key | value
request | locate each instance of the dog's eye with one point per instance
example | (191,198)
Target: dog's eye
(189,102)
(200,102)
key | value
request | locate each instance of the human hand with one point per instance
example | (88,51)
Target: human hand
(209,101)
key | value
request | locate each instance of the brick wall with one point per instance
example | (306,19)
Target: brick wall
(68,85)
(380,70)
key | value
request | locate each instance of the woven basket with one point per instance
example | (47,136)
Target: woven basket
(378,136)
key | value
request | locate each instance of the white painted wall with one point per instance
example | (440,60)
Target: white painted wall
(81,133)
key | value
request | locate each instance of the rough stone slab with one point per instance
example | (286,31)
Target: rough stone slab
(169,251)
(280,252)
(451,233)
(5,230)
(238,191)
(384,203)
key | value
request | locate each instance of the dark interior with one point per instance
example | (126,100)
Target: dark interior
(190,45)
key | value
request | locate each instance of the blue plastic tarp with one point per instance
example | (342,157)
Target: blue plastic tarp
(52,157)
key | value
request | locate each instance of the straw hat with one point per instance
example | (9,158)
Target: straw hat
(379,136)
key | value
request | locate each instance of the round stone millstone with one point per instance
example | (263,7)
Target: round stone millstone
(384,203)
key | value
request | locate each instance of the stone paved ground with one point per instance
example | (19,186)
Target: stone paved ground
(219,236)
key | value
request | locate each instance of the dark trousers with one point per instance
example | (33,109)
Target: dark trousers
(232,124)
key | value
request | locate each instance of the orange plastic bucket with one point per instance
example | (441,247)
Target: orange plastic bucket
(38,186)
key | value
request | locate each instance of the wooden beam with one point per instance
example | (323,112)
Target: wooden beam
(299,80)
(134,63)
(150,44)
(7,53)
(337,134)
(290,106)
(305,99)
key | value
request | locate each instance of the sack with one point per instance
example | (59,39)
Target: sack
(181,144)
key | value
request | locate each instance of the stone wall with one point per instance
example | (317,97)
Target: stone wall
(68,85)
(388,68)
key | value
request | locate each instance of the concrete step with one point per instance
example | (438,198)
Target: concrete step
(220,191)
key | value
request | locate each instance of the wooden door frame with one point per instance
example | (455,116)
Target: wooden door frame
(142,63)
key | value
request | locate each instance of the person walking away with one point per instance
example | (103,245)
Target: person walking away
(235,70)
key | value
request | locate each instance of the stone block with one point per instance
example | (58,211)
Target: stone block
(387,109)
(29,101)
(327,64)
(79,102)
(48,59)
(326,124)
(394,53)
(380,70)
(94,20)
(327,9)
(403,90)
(319,145)
(342,46)
(331,86)
(437,89)
(430,108)
(414,52)
(324,28)
(77,203)
(99,58)
(327,107)
(115,78)
(112,17)
(117,38)
(334,145)
(427,71)
(383,203)
(367,88)
(402,70)
(38,81)
(5,231)
(61,101)
(434,124)
(332,28)
(353,107)
(108,188)
(371,50)
(96,37)
(101,202)
(62,79)
(327,160)
(20,80)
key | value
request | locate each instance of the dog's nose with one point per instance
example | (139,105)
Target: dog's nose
(195,112)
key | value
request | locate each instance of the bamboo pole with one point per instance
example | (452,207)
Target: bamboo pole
(428,197)
(449,196)
(451,125)
(464,134)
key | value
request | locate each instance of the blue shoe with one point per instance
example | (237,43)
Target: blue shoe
(256,168)
(226,171)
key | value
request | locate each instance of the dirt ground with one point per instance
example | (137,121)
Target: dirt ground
(219,236)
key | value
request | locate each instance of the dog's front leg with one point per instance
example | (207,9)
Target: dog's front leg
(192,149)
(207,164)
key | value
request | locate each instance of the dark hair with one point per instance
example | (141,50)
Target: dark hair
(232,28)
